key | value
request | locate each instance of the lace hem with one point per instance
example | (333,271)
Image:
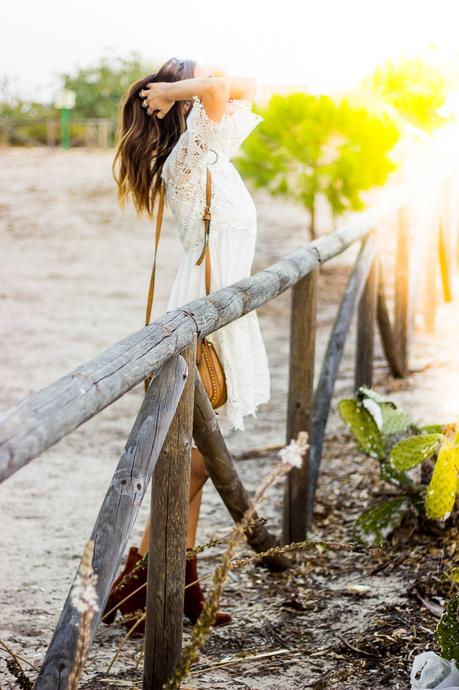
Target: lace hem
(242,352)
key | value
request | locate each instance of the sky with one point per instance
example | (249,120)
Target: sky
(325,45)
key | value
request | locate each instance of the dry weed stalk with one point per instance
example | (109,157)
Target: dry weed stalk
(139,617)
(191,553)
(296,546)
(84,599)
(16,670)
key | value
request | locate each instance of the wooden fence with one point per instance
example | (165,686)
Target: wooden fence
(175,409)
(95,132)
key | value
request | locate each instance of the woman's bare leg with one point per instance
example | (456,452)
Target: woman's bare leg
(193,517)
(197,480)
(199,474)
(143,548)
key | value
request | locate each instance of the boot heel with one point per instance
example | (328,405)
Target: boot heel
(108,620)
(122,598)
(194,598)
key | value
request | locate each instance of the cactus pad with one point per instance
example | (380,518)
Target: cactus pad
(441,492)
(363,426)
(413,450)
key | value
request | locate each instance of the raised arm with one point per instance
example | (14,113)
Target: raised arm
(213,92)
(243,88)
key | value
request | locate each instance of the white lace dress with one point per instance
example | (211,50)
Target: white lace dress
(232,237)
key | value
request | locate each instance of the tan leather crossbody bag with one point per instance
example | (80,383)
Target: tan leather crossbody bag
(209,365)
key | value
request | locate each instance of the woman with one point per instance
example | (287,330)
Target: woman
(175,123)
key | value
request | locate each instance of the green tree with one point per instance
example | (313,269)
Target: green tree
(415,88)
(308,146)
(22,120)
(99,88)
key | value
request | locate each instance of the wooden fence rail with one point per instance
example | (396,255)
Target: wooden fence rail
(43,418)
(90,132)
(176,409)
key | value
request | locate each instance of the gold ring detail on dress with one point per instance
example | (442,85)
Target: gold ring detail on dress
(216,159)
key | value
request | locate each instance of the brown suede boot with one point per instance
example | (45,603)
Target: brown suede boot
(136,603)
(193,601)
(194,597)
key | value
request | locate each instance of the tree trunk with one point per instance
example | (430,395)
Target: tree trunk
(312,222)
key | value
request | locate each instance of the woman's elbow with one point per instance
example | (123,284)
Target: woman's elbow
(216,97)
(219,88)
(252,86)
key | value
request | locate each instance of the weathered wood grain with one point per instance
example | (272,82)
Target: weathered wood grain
(444,258)
(330,365)
(43,418)
(299,405)
(167,546)
(431,269)
(223,473)
(385,329)
(118,513)
(366,318)
(402,283)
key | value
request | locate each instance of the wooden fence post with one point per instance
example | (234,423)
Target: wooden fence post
(51,132)
(444,257)
(402,281)
(385,328)
(90,132)
(103,133)
(366,329)
(325,386)
(455,220)
(300,394)
(117,515)
(430,286)
(167,546)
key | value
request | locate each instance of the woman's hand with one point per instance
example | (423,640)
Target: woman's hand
(156,100)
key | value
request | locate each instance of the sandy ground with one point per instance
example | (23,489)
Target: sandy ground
(74,279)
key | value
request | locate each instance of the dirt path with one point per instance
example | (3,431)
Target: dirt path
(74,281)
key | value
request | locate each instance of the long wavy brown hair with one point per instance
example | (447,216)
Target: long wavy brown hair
(144,141)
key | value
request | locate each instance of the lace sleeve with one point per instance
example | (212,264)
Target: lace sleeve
(245,121)
(191,149)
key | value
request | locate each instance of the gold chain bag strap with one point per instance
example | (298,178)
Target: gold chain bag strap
(209,365)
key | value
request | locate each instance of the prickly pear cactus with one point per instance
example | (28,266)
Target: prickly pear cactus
(447,632)
(389,474)
(389,418)
(395,420)
(364,392)
(441,492)
(414,450)
(374,525)
(361,423)
(381,429)
(432,429)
